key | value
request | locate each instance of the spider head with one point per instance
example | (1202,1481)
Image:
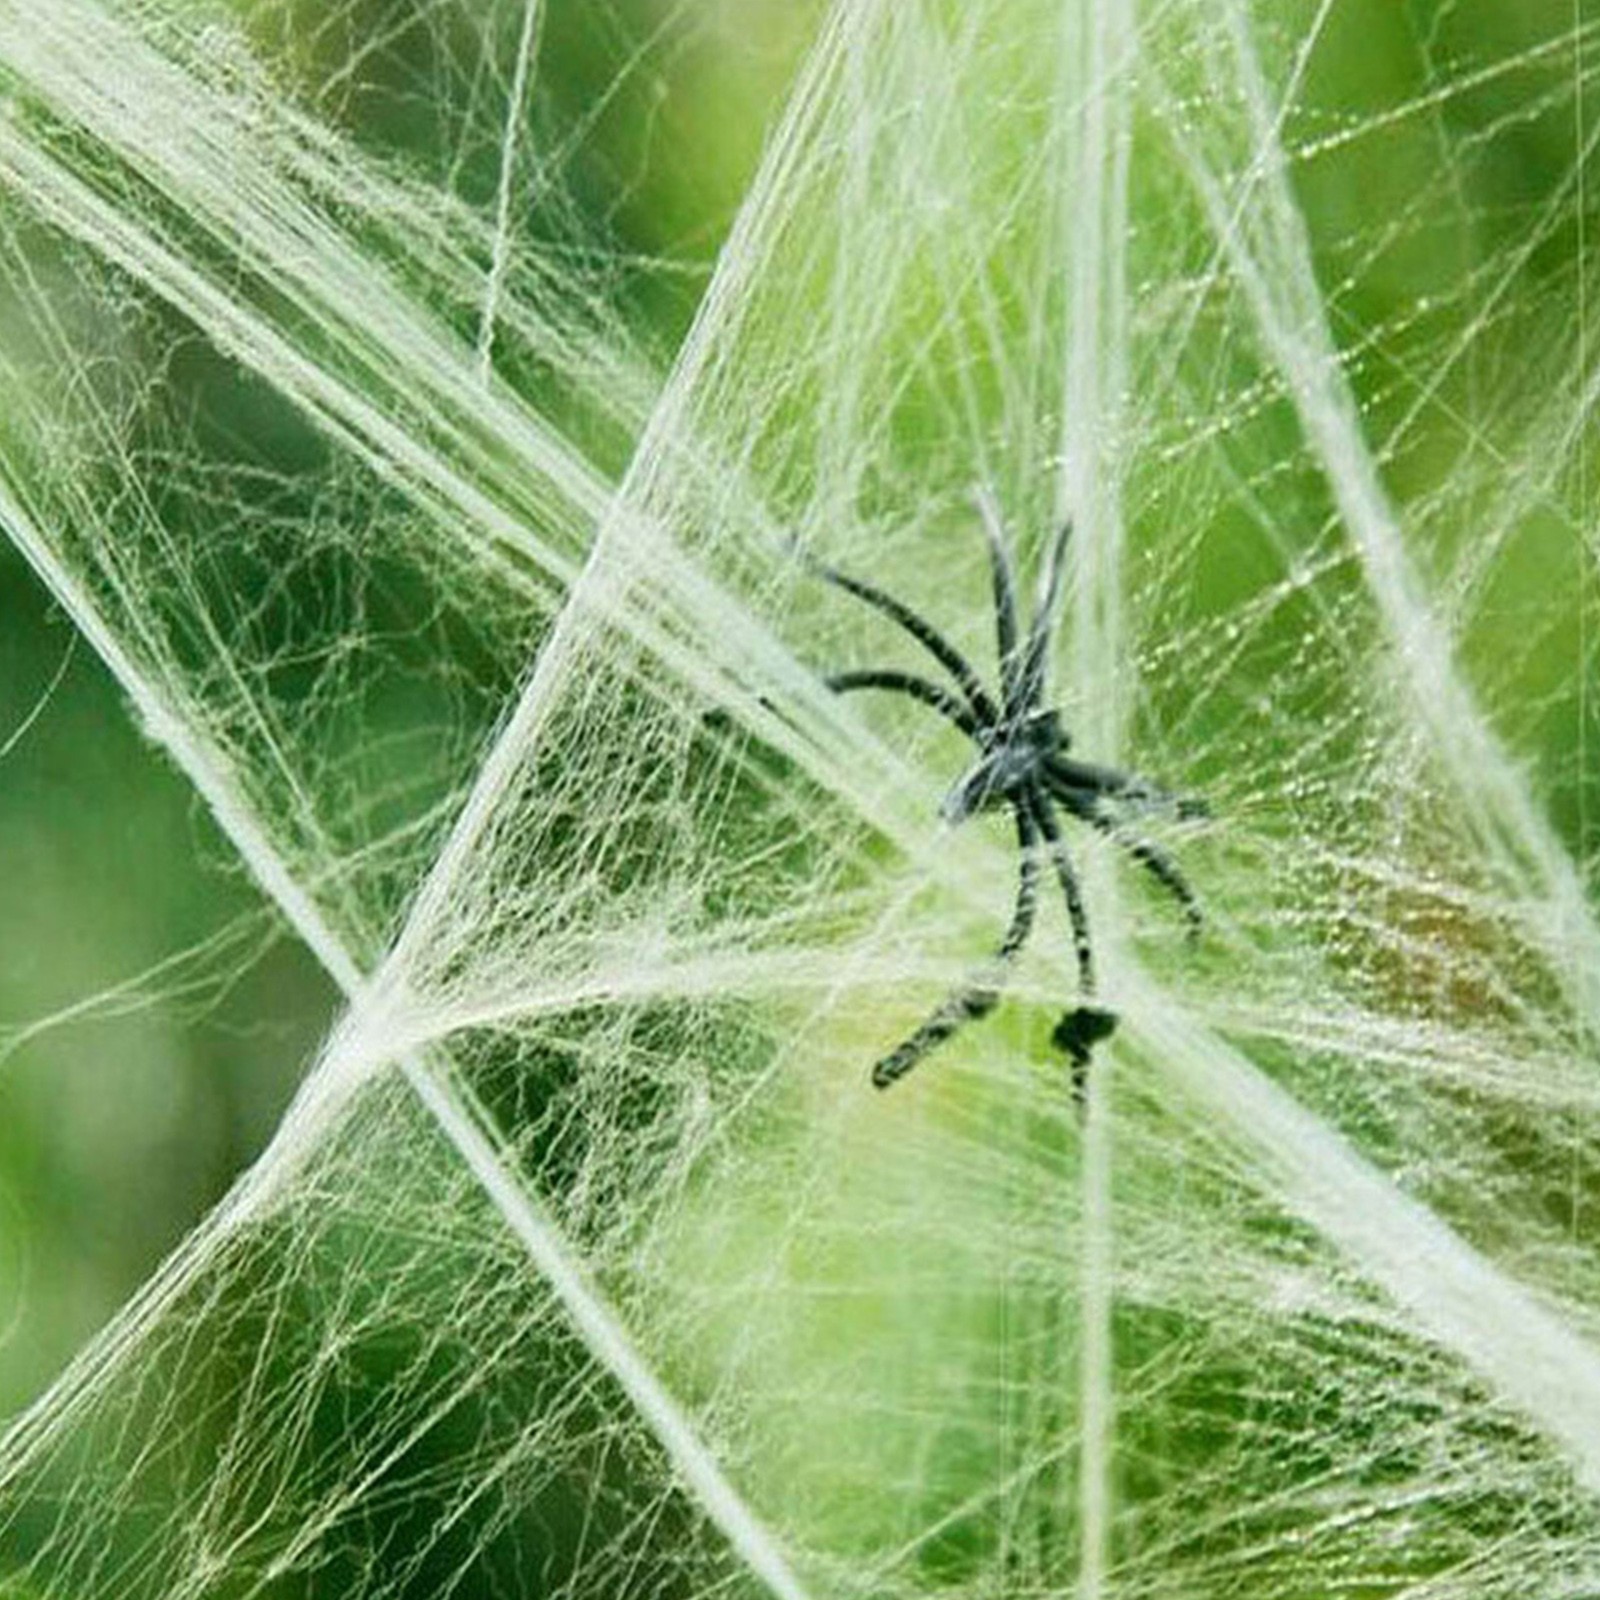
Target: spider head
(1014,755)
(1042,731)
(980,788)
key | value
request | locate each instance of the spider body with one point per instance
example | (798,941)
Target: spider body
(1016,756)
(1022,764)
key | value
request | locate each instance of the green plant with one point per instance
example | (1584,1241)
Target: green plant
(585,1261)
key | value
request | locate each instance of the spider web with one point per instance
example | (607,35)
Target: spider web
(585,1262)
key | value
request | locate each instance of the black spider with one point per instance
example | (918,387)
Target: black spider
(1023,763)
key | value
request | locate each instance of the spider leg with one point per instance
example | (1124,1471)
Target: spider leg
(1072,781)
(1086,803)
(1005,596)
(930,694)
(1163,869)
(1067,774)
(1083,1027)
(1030,680)
(1072,892)
(981,993)
(923,632)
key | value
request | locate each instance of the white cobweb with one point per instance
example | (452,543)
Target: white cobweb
(586,1262)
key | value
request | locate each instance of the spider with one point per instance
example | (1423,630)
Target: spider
(1022,763)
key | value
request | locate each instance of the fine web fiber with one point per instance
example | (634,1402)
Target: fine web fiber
(586,1262)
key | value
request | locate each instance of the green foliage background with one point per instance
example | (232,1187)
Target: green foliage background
(183,1014)
(120,1129)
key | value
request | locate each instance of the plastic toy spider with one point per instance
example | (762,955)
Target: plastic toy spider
(1022,763)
